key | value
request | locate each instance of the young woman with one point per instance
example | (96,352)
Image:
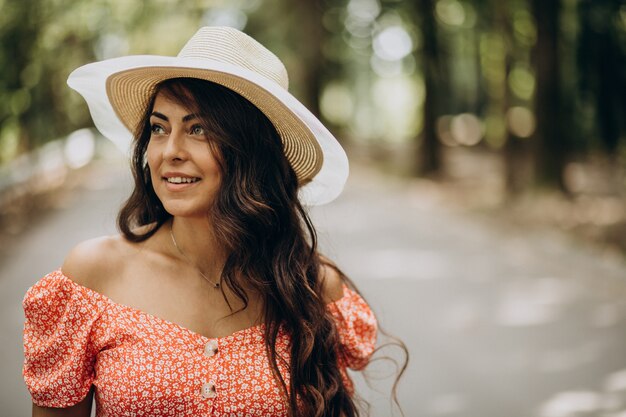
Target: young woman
(213,300)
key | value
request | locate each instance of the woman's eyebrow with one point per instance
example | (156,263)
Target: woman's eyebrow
(164,117)
(159,115)
(190,117)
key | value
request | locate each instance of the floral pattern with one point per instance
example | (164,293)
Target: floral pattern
(142,365)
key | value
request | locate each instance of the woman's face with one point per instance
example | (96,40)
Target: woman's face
(184,170)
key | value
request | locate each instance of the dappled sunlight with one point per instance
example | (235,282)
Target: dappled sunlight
(448,403)
(411,264)
(616,382)
(572,403)
(610,402)
(533,301)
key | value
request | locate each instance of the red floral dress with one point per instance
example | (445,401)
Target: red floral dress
(141,365)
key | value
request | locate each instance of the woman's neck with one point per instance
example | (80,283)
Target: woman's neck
(196,240)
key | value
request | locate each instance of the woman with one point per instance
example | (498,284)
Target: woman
(214,299)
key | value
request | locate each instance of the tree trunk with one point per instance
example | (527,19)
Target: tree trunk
(514,147)
(429,151)
(314,36)
(601,65)
(552,146)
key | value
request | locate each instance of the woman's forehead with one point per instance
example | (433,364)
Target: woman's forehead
(166,102)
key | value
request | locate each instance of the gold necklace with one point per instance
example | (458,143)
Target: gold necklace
(215,285)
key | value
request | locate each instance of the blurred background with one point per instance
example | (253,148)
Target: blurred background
(485,216)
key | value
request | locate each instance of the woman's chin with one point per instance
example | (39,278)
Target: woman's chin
(181,211)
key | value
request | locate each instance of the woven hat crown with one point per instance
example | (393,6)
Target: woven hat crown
(228,45)
(118,92)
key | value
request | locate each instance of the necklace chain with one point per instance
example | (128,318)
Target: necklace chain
(215,285)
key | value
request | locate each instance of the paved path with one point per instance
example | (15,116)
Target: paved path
(499,321)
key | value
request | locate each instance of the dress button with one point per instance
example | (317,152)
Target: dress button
(208,390)
(211,348)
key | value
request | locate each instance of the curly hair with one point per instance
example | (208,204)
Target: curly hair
(269,238)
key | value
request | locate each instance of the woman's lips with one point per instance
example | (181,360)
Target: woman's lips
(180,183)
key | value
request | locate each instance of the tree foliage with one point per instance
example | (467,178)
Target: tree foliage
(541,81)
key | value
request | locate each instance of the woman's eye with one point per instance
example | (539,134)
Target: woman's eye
(157,129)
(197,130)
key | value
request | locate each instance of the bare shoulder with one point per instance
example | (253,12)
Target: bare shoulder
(332,280)
(90,262)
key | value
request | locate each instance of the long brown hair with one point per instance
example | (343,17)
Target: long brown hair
(269,238)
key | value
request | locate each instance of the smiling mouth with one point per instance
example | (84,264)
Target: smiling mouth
(181,180)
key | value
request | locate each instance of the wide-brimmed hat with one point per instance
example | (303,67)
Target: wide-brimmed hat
(118,91)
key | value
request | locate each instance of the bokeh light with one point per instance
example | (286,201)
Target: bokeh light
(364,11)
(524,28)
(443,131)
(398,103)
(225,16)
(336,104)
(392,43)
(466,129)
(450,12)
(51,167)
(495,130)
(520,121)
(9,139)
(111,45)
(522,82)
(80,147)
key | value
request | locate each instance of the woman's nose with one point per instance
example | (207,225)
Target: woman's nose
(175,147)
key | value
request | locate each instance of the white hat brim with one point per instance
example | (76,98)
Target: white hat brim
(91,82)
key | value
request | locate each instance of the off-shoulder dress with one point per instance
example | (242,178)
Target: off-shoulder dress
(142,365)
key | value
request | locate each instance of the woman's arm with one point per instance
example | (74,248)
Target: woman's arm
(82,409)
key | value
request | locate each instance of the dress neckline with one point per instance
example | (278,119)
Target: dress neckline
(257,329)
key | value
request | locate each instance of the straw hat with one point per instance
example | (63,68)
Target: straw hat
(117,92)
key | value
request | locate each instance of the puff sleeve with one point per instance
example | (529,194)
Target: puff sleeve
(357,328)
(59,353)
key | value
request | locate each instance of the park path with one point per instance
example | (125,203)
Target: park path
(500,321)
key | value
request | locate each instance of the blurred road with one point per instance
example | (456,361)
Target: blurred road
(499,322)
